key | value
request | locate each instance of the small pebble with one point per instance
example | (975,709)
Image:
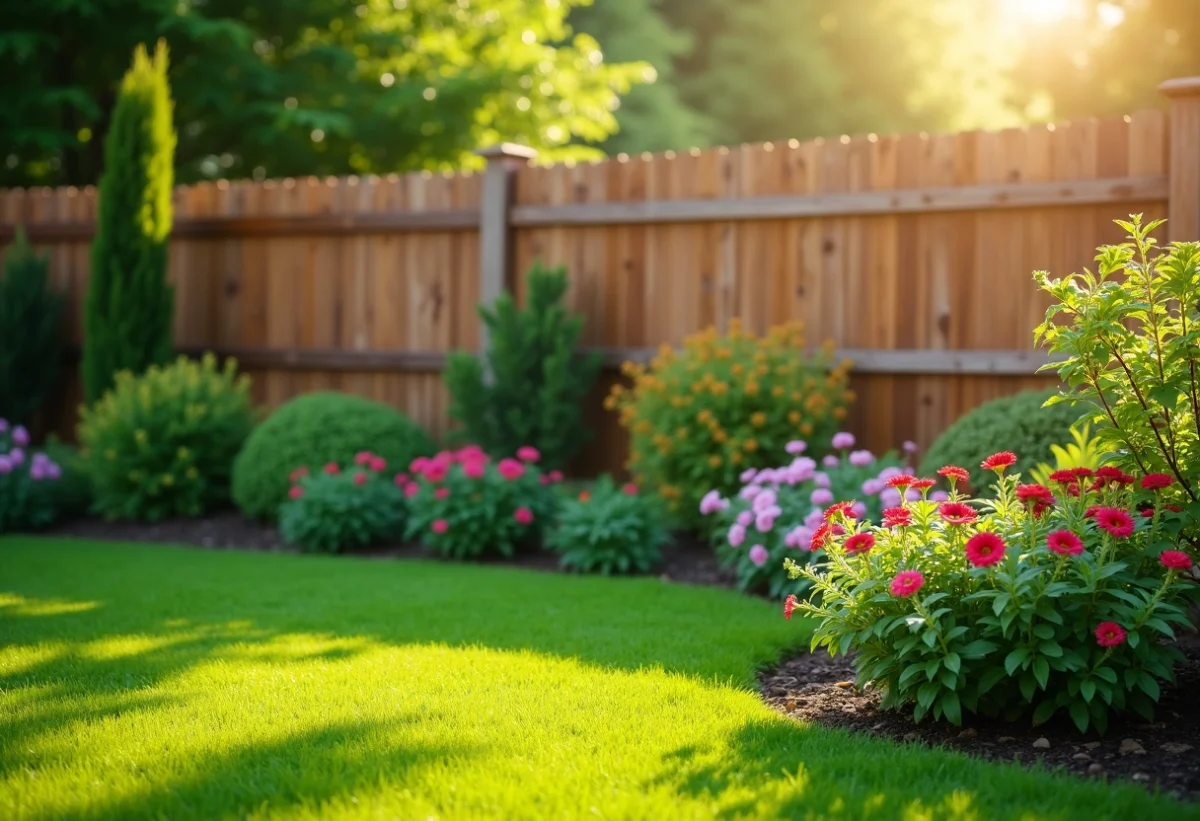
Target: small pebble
(1081,757)
(1140,777)
(970,732)
(845,685)
(911,736)
(1095,768)
(1174,747)
(1042,743)
(1004,739)
(1131,745)
(1091,745)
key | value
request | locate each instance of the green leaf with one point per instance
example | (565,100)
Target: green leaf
(1043,712)
(1014,659)
(1087,688)
(1041,670)
(1079,714)
(951,708)
(989,679)
(952,662)
(978,649)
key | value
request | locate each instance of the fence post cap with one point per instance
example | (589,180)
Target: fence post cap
(1181,87)
(504,151)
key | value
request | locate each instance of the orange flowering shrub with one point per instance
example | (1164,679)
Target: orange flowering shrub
(701,416)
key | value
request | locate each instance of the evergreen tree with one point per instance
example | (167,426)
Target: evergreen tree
(129,306)
(30,332)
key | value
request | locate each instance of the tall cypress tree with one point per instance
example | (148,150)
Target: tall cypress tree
(129,306)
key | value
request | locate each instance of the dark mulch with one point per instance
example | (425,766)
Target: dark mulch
(686,560)
(818,689)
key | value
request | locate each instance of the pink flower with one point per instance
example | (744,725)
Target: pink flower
(17,457)
(474,468)
(441,493)
(939,496)
(764,500)
(1115,521)
(1156,481)
(737,535)
(510,469)
(766,519)
(906,583)
(909,447)
(417,466)
(378,464)
(528,453)
(20,436)
(544,480)
(749,492)
(439,526)
(298,474)
(1175,560)
(860,510)
(712,502)
(748,475)
(759,555)
(411,490)
(859,543)
(629,489)
(821,497)
(6,465)
(872,487)
(363,457)
(831,461)
(890,497)
(435,470)
(796,447)
(331,468)
(821,480)
(296,492)
(843,440)
(471,452)
(1064,543)
(814,519)
(1109,634)
(556,476)
(985,549)
(745,518)
(798,537)
(360,478)
(861,458)
(957,513)
(523,515)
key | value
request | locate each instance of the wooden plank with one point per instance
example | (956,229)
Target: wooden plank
(860,203)
(1184,174)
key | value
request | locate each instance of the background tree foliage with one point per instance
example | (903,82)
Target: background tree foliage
(293,87)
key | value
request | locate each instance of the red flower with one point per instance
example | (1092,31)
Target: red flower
(985,549)
(1156,481)
(360,478)
(1175,560)
(510,469)
(1109,634)
(897,517)
(1090,513)
(584,496)
(901,482)
(789,606)
(441,493)
(1064,477)
(556,476)
(1115,521)
(1082,473)
(363,457)
(1173,508)
(439,526)
(923,484)
(331,468)
(1146,512)
(999,461)
(860,543)
(435,470)
(296,492)
(821,537)
(906,583)
(298,474)
(956,513)
(1037,494)
(630,489)
(528,454)
(1111,476)
(523,515)
(844,508)
(954,473)
(1064,543)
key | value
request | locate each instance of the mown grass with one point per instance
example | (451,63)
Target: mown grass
(145,681)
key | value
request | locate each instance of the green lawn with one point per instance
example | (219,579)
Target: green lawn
(166,682)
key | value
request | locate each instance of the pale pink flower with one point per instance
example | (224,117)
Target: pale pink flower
(843,440)
(763,501)
(528,453)
(821,479)
(759,555)
(831,461)
(745,518)
(748,475)
(796,446)
(890,497)
(861,458)
(766,519)
(821,496)
(872,487)
(737,535)
(523,515)
(712,502)
(909,446)
(750,491)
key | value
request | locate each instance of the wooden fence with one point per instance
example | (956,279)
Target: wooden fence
(912,253)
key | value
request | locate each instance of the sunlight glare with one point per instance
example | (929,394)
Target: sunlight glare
(1040,12)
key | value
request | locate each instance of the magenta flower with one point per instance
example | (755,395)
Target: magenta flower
(20,436)
(17,457)
(906,583)
(861,458)
(796,446)
(523,515)
(474,469)
(435,470)
(439,526)
(759,555)
(442,493)
(295,492)
(766,519)
(737,535)
(844,440)
(821,497)
(510,469)
(528,453)
(556,476)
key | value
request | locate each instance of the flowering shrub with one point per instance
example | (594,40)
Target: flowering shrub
(778,510)
(1083,451)
(700,417)
(1038,601)
(26,499)
(1130,351)
(163,443)
(610,529)
(463,505)
(337,508)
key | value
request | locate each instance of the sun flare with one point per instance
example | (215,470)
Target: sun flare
(1040,12)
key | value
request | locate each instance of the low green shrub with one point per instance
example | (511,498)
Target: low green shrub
(462,505)
(26,481)
(71,494)
(1018,423)
(609,530)
(778,510)
(336,509)
(162,444)
(1031,602)
(31,347)
(313,430)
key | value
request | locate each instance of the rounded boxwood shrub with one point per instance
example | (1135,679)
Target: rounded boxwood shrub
(1017,423)
(313,430)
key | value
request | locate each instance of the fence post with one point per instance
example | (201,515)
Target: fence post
(495,253)
(1184,206)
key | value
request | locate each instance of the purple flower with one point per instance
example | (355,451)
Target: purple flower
(20,436)
(37,472)
(831,461)
(712,502)
(766,476)
(814,519)
(3,425)
(6,465)
(910,446)
(821,479)
(799,537)
(888,472)
(748,475)
(872,487)
(764,500)
(821,496)
(766,519)
(53,471)
(16,456)
(737,535)
(803,468)
(796,446)
(745,518)
(750,491)
(939,496)
(759,555)
(912,494)
(861,458)
(860,510)
(889,497)
(843,440)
